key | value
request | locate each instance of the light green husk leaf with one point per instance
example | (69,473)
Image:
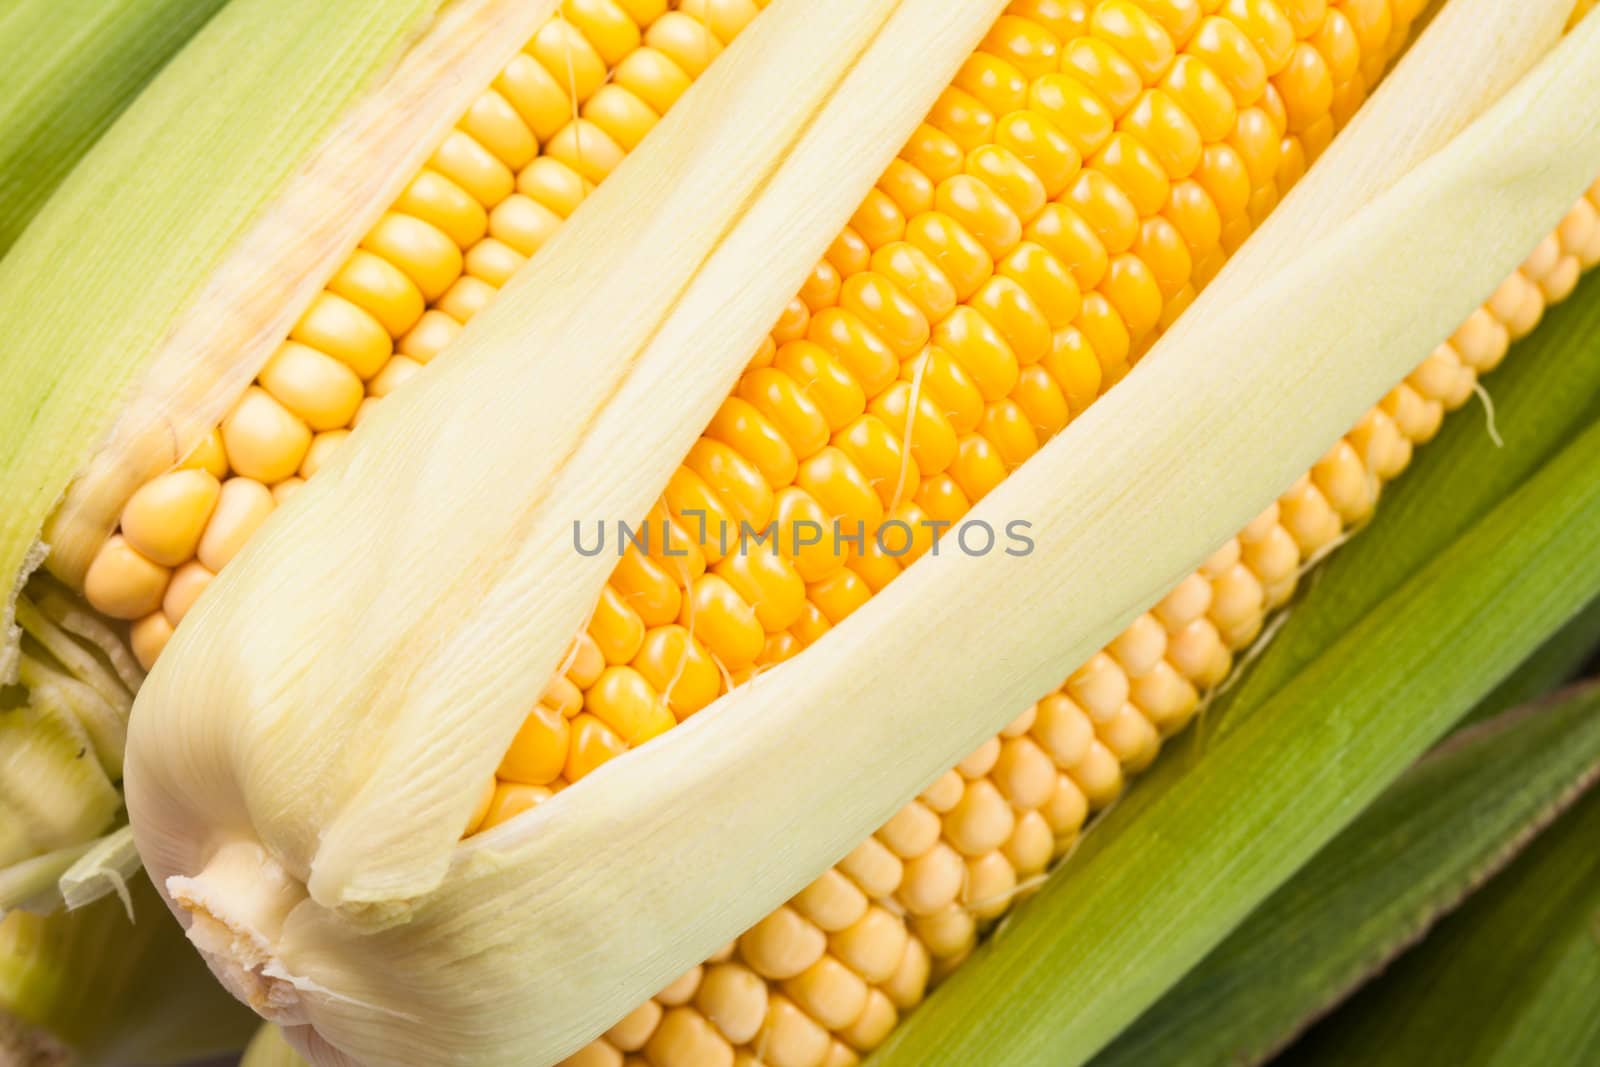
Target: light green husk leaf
(1431,840)
(1506,981)
(101,990)
(1559,660)
(302,812)
(53,793)
(105,868)
(71,67)
(62,734)
(35,884)
(1474,560)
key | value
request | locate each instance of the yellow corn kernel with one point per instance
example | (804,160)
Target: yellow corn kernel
(1227,51)
(208,456)
(592,744)
(685,1038)
(395,374)
(570,59)
(782,945)
(734,999)
(624,117)
(148,637)
(287,488)
(473,167)
(538,753)
(442,203)
(432,334)
(829,993)
(651,76)
(635,1028)
(1102,68)
(678,667)
(345,331)
(616,628)
(242,506)
(164,519)
(318,389)
(510,800)
(494,261)
(495,124)
(264,440)
(540,99)
(380,289)
(523,223)
(322,448)
(422,251)
(122,583)
(586,148)
(724,18)
(554,184)
(188,582)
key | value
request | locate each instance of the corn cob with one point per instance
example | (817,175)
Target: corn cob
(1125,313)
(459,231)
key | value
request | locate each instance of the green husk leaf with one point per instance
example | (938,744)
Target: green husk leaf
(1479,557)
(269,1049)
(1510,979)
(159,199)
(114,992)
(71,67)
(1559,660)
(1456,818)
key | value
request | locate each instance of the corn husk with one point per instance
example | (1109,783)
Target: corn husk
(1432,840)
(71,67)
(1447,1000)
(301,810)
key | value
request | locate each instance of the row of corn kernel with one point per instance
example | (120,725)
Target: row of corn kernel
(838,959)
(583,92)
(961,848)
